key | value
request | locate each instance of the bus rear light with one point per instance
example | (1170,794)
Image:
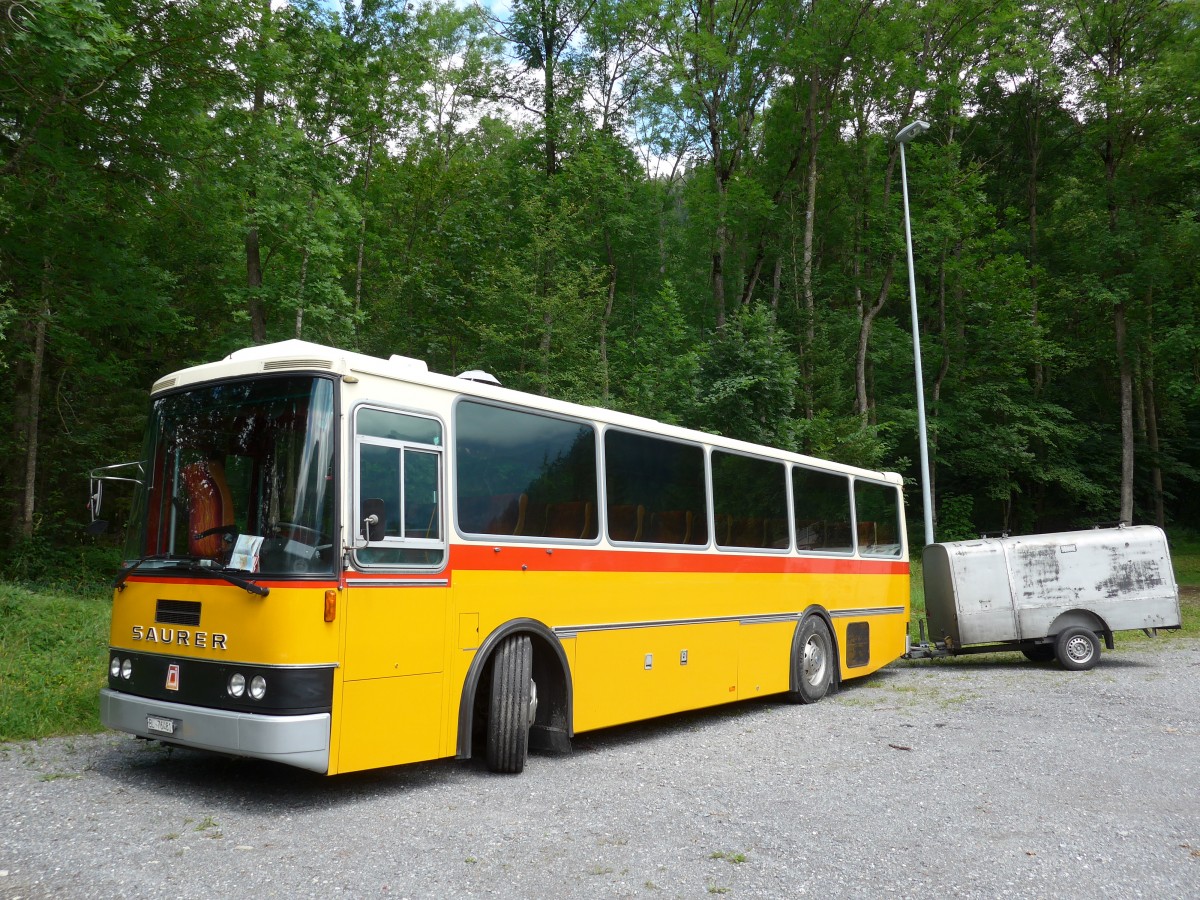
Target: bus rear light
(258,687)
(237,684)
(330,605)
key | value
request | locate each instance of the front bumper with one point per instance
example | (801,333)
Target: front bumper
(301,741)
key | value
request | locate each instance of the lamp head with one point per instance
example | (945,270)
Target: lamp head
(912,130)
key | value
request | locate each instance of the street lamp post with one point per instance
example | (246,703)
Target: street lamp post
(906,134)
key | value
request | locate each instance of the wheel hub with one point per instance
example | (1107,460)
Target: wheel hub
(814,661)
(1079,649)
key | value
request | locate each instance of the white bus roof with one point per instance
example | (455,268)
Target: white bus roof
(297,355)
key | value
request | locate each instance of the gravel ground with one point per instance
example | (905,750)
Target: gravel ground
(991,778)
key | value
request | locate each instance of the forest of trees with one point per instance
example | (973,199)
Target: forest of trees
(686,209)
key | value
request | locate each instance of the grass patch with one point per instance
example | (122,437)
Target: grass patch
(728,857)
(53,654)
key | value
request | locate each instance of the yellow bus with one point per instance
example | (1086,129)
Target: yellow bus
(340,562)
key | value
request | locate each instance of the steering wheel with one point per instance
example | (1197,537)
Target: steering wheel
(304,534)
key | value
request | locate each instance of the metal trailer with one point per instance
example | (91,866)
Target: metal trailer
(1049,596)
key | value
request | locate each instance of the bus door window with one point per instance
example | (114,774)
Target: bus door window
(398,473)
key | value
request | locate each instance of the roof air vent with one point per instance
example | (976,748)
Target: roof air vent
(480,376)
(407,362)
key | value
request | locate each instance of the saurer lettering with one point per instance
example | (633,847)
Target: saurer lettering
(201,640)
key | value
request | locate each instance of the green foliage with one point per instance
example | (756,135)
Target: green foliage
(954,521)
(748,379)
(53,661)
(693,217)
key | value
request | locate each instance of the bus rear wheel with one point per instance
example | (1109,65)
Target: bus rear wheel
(814,661)
(512,705)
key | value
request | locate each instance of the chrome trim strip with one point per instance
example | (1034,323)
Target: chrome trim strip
(769,618)
(569,631)
(223,662)
(623,626)
(397,582)
(866,611)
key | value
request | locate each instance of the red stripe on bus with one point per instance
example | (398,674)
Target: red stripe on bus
(505,557)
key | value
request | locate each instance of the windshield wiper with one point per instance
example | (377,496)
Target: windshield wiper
(211,568)
(119,581)
(193,565)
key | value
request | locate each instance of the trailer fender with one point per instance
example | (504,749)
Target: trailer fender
(1082,618)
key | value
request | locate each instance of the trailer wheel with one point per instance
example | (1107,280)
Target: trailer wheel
(512,705)
(815,661)
(1077,648)
(1042,653)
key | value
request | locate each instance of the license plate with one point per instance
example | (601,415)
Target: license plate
(160,725)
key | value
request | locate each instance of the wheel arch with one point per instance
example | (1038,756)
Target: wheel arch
(814,609)
(555,692)
(1084,618)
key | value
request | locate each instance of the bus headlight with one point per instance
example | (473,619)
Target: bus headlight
(237,684)
(127,669)
(258,687)
(114,667)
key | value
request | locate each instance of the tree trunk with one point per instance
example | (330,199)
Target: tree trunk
(1156,478)
(1126,375)
(867,319)
(254,270)
(362,235)
(608,309)
(33,419)
(254,280)
(300,294)
(810,196)
(720,245)
(549,99)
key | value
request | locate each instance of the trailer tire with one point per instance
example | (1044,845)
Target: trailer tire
(1042,653)
(814,661)
(512,705)
(1077,648)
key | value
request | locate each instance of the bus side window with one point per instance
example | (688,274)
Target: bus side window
(750,500)
(524,474)
(821,509)
(654,490)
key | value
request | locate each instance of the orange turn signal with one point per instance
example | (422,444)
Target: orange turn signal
(330,605)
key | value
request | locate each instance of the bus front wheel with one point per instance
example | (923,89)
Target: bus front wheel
(512,705)
(814,661)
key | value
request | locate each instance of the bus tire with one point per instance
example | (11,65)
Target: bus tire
(814,661)
(510,705)
(1077,648)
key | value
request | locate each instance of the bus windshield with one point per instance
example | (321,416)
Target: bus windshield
(239,475)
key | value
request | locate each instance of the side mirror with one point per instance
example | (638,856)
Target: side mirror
(374,511)
(97,527)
